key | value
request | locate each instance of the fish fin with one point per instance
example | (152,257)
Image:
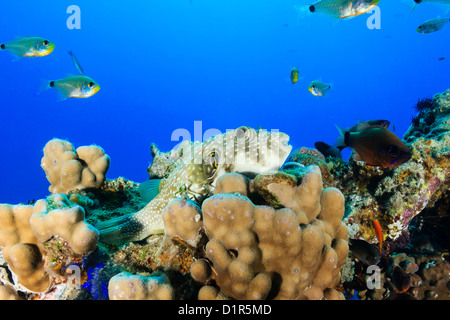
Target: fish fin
(44,86)
(340,142)
(149,189)
(302,11)
(356,156)
(412,9)
(61,97)
(118,229)
(362,125)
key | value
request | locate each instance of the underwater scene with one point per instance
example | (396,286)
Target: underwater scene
(225,150)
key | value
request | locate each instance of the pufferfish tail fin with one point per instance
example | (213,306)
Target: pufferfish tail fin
(149,189)
(121,229)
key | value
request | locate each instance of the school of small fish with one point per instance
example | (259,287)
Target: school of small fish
(73,86)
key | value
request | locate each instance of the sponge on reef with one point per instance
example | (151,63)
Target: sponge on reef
(68,169)
(126,286)
(258,252)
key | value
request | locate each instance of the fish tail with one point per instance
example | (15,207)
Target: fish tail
(302,11)
(341,142)
(412,9)
(45,85)
(121,229)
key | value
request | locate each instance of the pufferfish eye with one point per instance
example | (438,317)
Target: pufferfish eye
(214,160)
(45,43)
(211,163)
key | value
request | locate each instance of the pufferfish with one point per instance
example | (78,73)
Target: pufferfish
(341,9)
(28,47)
(243,150)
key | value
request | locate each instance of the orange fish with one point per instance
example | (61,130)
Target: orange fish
(378,232)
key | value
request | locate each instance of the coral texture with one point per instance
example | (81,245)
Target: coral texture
(182,219)
(66,223)
(258,252)
(126,286)
(25,231)
(20,248)
(68,169)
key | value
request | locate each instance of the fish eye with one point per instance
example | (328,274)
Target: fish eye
(91,84)
(211,163)
(45,42)
(393,150)
(214,159)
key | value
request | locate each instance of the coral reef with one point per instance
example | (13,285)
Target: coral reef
(279,234)
(392,196)
(182,219)
(20,248)
(68,169)
(126,286)
(31,235)
(68,224)
(257,252)
(413,276)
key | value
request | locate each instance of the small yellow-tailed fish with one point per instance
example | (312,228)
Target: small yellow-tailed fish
(77,86)
(28,47)
(341,9)
(319,88)
(294,75)
(433,25)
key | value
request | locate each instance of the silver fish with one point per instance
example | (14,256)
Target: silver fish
(76,63)
(433,25)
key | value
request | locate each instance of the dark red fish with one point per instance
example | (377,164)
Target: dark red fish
(375,145)
(401,280)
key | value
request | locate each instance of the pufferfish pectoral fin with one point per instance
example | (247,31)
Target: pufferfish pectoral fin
(121,229)
(149,189)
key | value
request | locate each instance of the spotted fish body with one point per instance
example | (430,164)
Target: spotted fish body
(341,9)
(243,150)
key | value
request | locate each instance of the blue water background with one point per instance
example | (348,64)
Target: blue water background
(164,64)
